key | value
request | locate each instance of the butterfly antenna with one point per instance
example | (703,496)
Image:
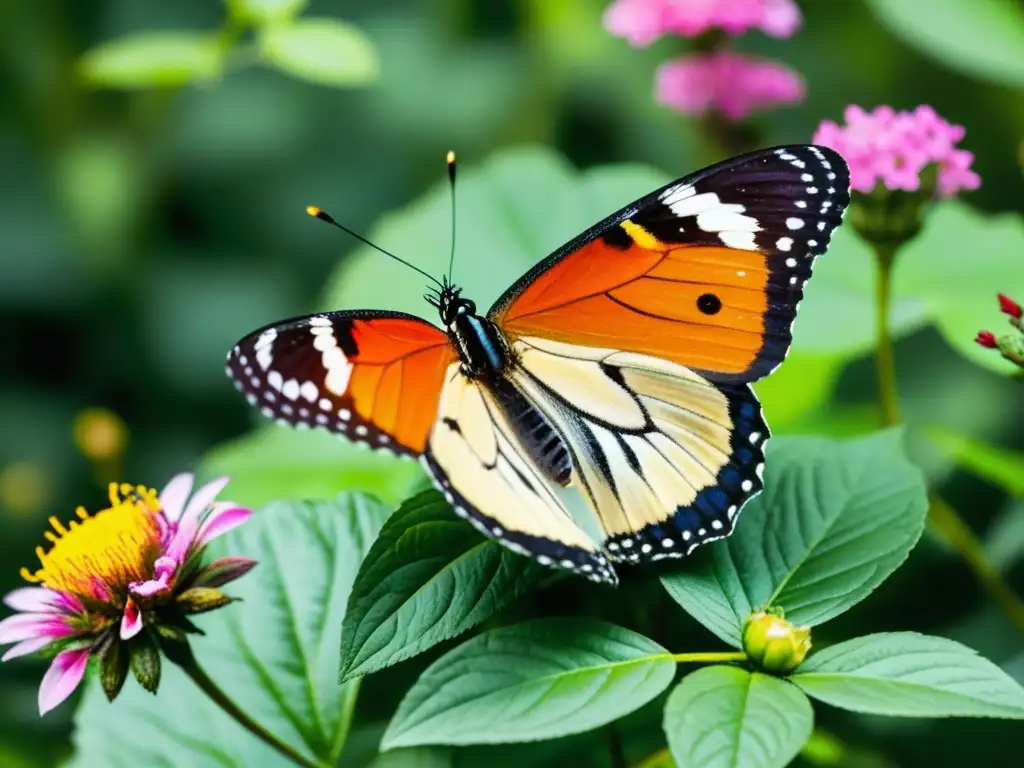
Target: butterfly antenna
(451,186)
(317,213)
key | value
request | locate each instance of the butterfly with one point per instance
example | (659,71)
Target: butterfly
(620,366)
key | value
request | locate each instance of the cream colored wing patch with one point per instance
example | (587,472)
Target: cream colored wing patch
(665,458)
(477,462)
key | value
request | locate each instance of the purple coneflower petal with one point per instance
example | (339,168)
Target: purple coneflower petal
(61,679)
(175,494)
(25,647)
(203,498)
(23,626)
(42,600)
(222,519)
(131,621)
(163,570)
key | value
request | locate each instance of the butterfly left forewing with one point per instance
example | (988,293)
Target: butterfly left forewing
(665,458)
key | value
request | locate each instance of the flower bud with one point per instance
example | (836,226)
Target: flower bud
(986,339)
(1010,307)
(202,599)
(774,644)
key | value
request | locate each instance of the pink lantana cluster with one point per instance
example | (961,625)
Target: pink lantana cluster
(894,148)
(644,21)
(734,84)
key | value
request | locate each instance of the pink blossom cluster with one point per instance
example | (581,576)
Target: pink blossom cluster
(894,148)
(731,83)
(644,21)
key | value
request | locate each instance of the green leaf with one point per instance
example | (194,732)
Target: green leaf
(1004,540)
(274,653)
(324,51)
(537,680)
(835,519)
(910,675)
(153,60)
(275,462)
(727,717)
(415,757)
(263,11)
(1000,467)
(428,577)
(983,38)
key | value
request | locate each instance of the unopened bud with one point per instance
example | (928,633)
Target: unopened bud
(774,644)
(1010,307)
(202,599)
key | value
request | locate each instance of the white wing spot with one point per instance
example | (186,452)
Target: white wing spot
(716,524)
(806,177)
(784,243)
(801,203)
(794,223)
(309,391)
(667,543)
(755,437)
(790,262)
(291,389)
(275,380)
(746,485)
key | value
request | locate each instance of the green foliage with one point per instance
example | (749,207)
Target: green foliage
(324,51)
(274,652)
(536,680)
(275,462)
(910,675)
(263,11)
(1004,469)
(835,519)
(726,717)
(154,60)
(428,577)
(983,38)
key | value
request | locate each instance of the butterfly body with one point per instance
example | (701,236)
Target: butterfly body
(619,367)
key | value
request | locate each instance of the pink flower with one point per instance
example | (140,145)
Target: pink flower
(733,84)
(896,147)
(110,576)
(644,21)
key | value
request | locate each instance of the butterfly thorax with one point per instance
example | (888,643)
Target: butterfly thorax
(482,347)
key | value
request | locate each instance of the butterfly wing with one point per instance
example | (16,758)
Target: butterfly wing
(374,377)
(477,460)
(706,272)
(665,458)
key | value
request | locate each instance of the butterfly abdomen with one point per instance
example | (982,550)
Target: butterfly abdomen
(540,439)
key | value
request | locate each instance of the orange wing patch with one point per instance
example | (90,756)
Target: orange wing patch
(700,306)
(373,377)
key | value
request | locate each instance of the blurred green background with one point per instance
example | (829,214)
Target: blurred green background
(143,230)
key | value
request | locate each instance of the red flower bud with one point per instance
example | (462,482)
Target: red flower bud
(1010,307)
(986,339)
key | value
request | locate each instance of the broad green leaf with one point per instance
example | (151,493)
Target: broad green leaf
(537,680)
(727,717)
(983,38)
(263,11)
(427,578)
(959,291)
(275,462)
(910,675)
(999,466)
(153,59)
(415,757)
(324,51)
(275,653)
(835,519)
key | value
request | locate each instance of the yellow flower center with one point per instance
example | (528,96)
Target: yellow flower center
(111,548)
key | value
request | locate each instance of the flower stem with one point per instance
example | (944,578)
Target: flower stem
(203,681)
(708,658)
(942,517)
(885,357)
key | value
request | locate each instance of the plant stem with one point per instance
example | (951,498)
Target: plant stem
(618,757)
(941,515)
(885,357)
(191,667)
(961,538)
(708,658)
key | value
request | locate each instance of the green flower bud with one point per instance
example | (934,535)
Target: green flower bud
(774,644)
(202,599)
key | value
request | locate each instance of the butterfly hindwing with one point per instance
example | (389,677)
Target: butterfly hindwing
(374,377)
(476,459)
(706,272)
(665,458)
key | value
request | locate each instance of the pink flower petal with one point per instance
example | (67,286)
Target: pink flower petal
(221,521)
(225,570)
(174,495)
(41,599)
(204,498)
(23,626)
(61,679)
(164,570)
(131,621)
(26,647)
